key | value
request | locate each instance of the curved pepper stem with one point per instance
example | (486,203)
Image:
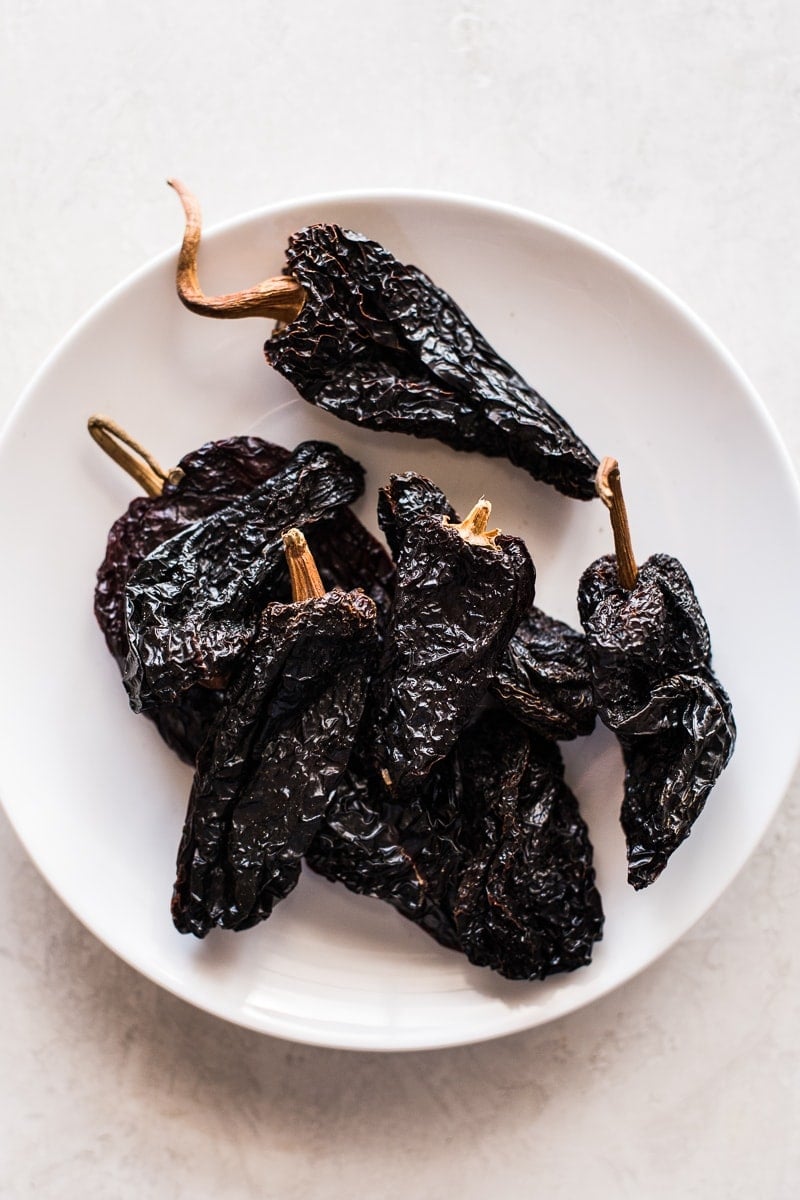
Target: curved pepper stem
(609,489)
(303,573)
(131,455)
(280,298)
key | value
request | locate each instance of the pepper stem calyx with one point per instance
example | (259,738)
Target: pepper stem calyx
(280,298)
(473,528)
(303,573)
(609,488)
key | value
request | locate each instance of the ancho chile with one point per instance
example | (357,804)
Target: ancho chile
(650,654)
(461,591)
(543,676)
(269,767)
(379,344)
(205,480)
(490,855)
(191,605)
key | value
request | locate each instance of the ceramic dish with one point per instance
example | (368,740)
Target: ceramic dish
(97,799)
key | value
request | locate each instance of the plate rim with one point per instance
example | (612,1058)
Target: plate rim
(367,1039)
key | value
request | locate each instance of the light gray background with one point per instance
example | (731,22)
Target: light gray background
(669,131)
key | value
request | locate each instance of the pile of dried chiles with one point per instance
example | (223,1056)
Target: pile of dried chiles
(394,721)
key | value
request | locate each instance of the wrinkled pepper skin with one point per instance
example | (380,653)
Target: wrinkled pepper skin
(405,498)
(378,344)
(408,855)
(190,606)
(456,608)
(490,857)
(210,478)
(543,678)
(358,844)
(272,761)
(650,654)
(526,904)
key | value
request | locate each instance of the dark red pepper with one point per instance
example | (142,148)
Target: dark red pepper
(489,856)
(377,343)
(270,765)
(543,676)
(191,605)
(650,655)
(205,480)
(460,593)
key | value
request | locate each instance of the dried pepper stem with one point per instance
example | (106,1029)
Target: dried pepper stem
(303,573)
(473,528)
(280,298)
(131,455)
(609,489)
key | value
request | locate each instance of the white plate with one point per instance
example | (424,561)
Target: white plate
(97,799)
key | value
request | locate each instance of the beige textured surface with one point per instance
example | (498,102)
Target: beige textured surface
(669,131)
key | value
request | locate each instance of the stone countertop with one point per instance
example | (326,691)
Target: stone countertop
(668,131)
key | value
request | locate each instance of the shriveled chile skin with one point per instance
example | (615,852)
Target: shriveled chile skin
(490,856)
(190,606)
(526,903)
(358,844)
(378,344)
(211,477)
(543,677)
(456,608)
(271,763)
(408,854)
(650,654)
(405,498)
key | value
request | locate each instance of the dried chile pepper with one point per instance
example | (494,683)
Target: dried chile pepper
(490,856)
(406,853)
(650,654)
(526,903)
(358,844)
(191,604)
(405,498)
(379,344)
(272,760)
(460,593)
(543,677)
(205,480)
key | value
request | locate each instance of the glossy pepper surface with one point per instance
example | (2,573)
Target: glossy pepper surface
(376,342)
(650,654)
(207,479)
(527,904)
(460,593)
(490,856)
(272,760)
(543,677)
(379,344)
(358,844)
(191,605)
